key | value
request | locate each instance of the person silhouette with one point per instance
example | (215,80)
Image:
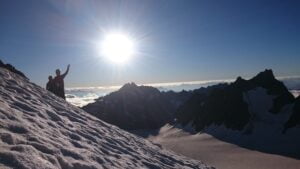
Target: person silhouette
(50,84)
(59,83)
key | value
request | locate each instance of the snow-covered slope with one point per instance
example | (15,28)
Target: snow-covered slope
(39,130)
(225,155)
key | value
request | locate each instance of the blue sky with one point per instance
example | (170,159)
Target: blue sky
(177,40)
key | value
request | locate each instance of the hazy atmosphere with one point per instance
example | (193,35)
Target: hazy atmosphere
(174,41)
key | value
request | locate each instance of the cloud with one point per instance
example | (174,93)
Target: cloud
(81,96)
(83,100)
(291,82)
(188,85)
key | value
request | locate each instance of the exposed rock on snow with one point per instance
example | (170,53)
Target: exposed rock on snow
(39,130)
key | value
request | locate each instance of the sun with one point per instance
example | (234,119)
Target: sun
(117,47)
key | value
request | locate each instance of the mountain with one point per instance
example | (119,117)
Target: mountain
(232,105)
(39,130)
(176,98)
(235,105)
(258,114)
(135,107)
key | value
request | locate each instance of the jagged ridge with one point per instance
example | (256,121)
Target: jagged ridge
(139,107)
(226,105)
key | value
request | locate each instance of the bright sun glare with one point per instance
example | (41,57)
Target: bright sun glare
(117,47)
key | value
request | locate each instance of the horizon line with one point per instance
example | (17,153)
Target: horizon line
(173,84)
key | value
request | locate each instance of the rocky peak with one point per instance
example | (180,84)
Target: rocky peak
(241,83)
(133,107)
(133,89)
(129,86)
(267,80)
(265,75)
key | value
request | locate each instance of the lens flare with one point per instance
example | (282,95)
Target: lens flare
(117,47)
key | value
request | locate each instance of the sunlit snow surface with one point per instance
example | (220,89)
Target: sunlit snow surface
(220,153)
(39,130)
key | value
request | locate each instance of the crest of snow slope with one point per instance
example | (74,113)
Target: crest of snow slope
(39,130)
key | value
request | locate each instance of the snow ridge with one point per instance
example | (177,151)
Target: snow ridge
(39,130)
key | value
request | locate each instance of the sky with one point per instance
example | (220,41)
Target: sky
(176,40)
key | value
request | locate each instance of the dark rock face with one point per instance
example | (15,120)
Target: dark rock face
(220,106)
(134,107)
(294,120)
(12,69)
(226,106)
(177,98)
(192,104)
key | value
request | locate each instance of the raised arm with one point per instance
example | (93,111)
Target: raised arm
(67,71)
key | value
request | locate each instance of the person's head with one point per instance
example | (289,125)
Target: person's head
(50,78)
(57,72)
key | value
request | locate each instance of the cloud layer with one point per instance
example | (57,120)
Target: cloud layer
(81,96)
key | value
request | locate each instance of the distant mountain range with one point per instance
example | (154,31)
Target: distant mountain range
(236,105)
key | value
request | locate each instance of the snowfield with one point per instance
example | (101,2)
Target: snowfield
(223,154)
(39,130)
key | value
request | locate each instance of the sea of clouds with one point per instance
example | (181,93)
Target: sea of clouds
(82,96)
